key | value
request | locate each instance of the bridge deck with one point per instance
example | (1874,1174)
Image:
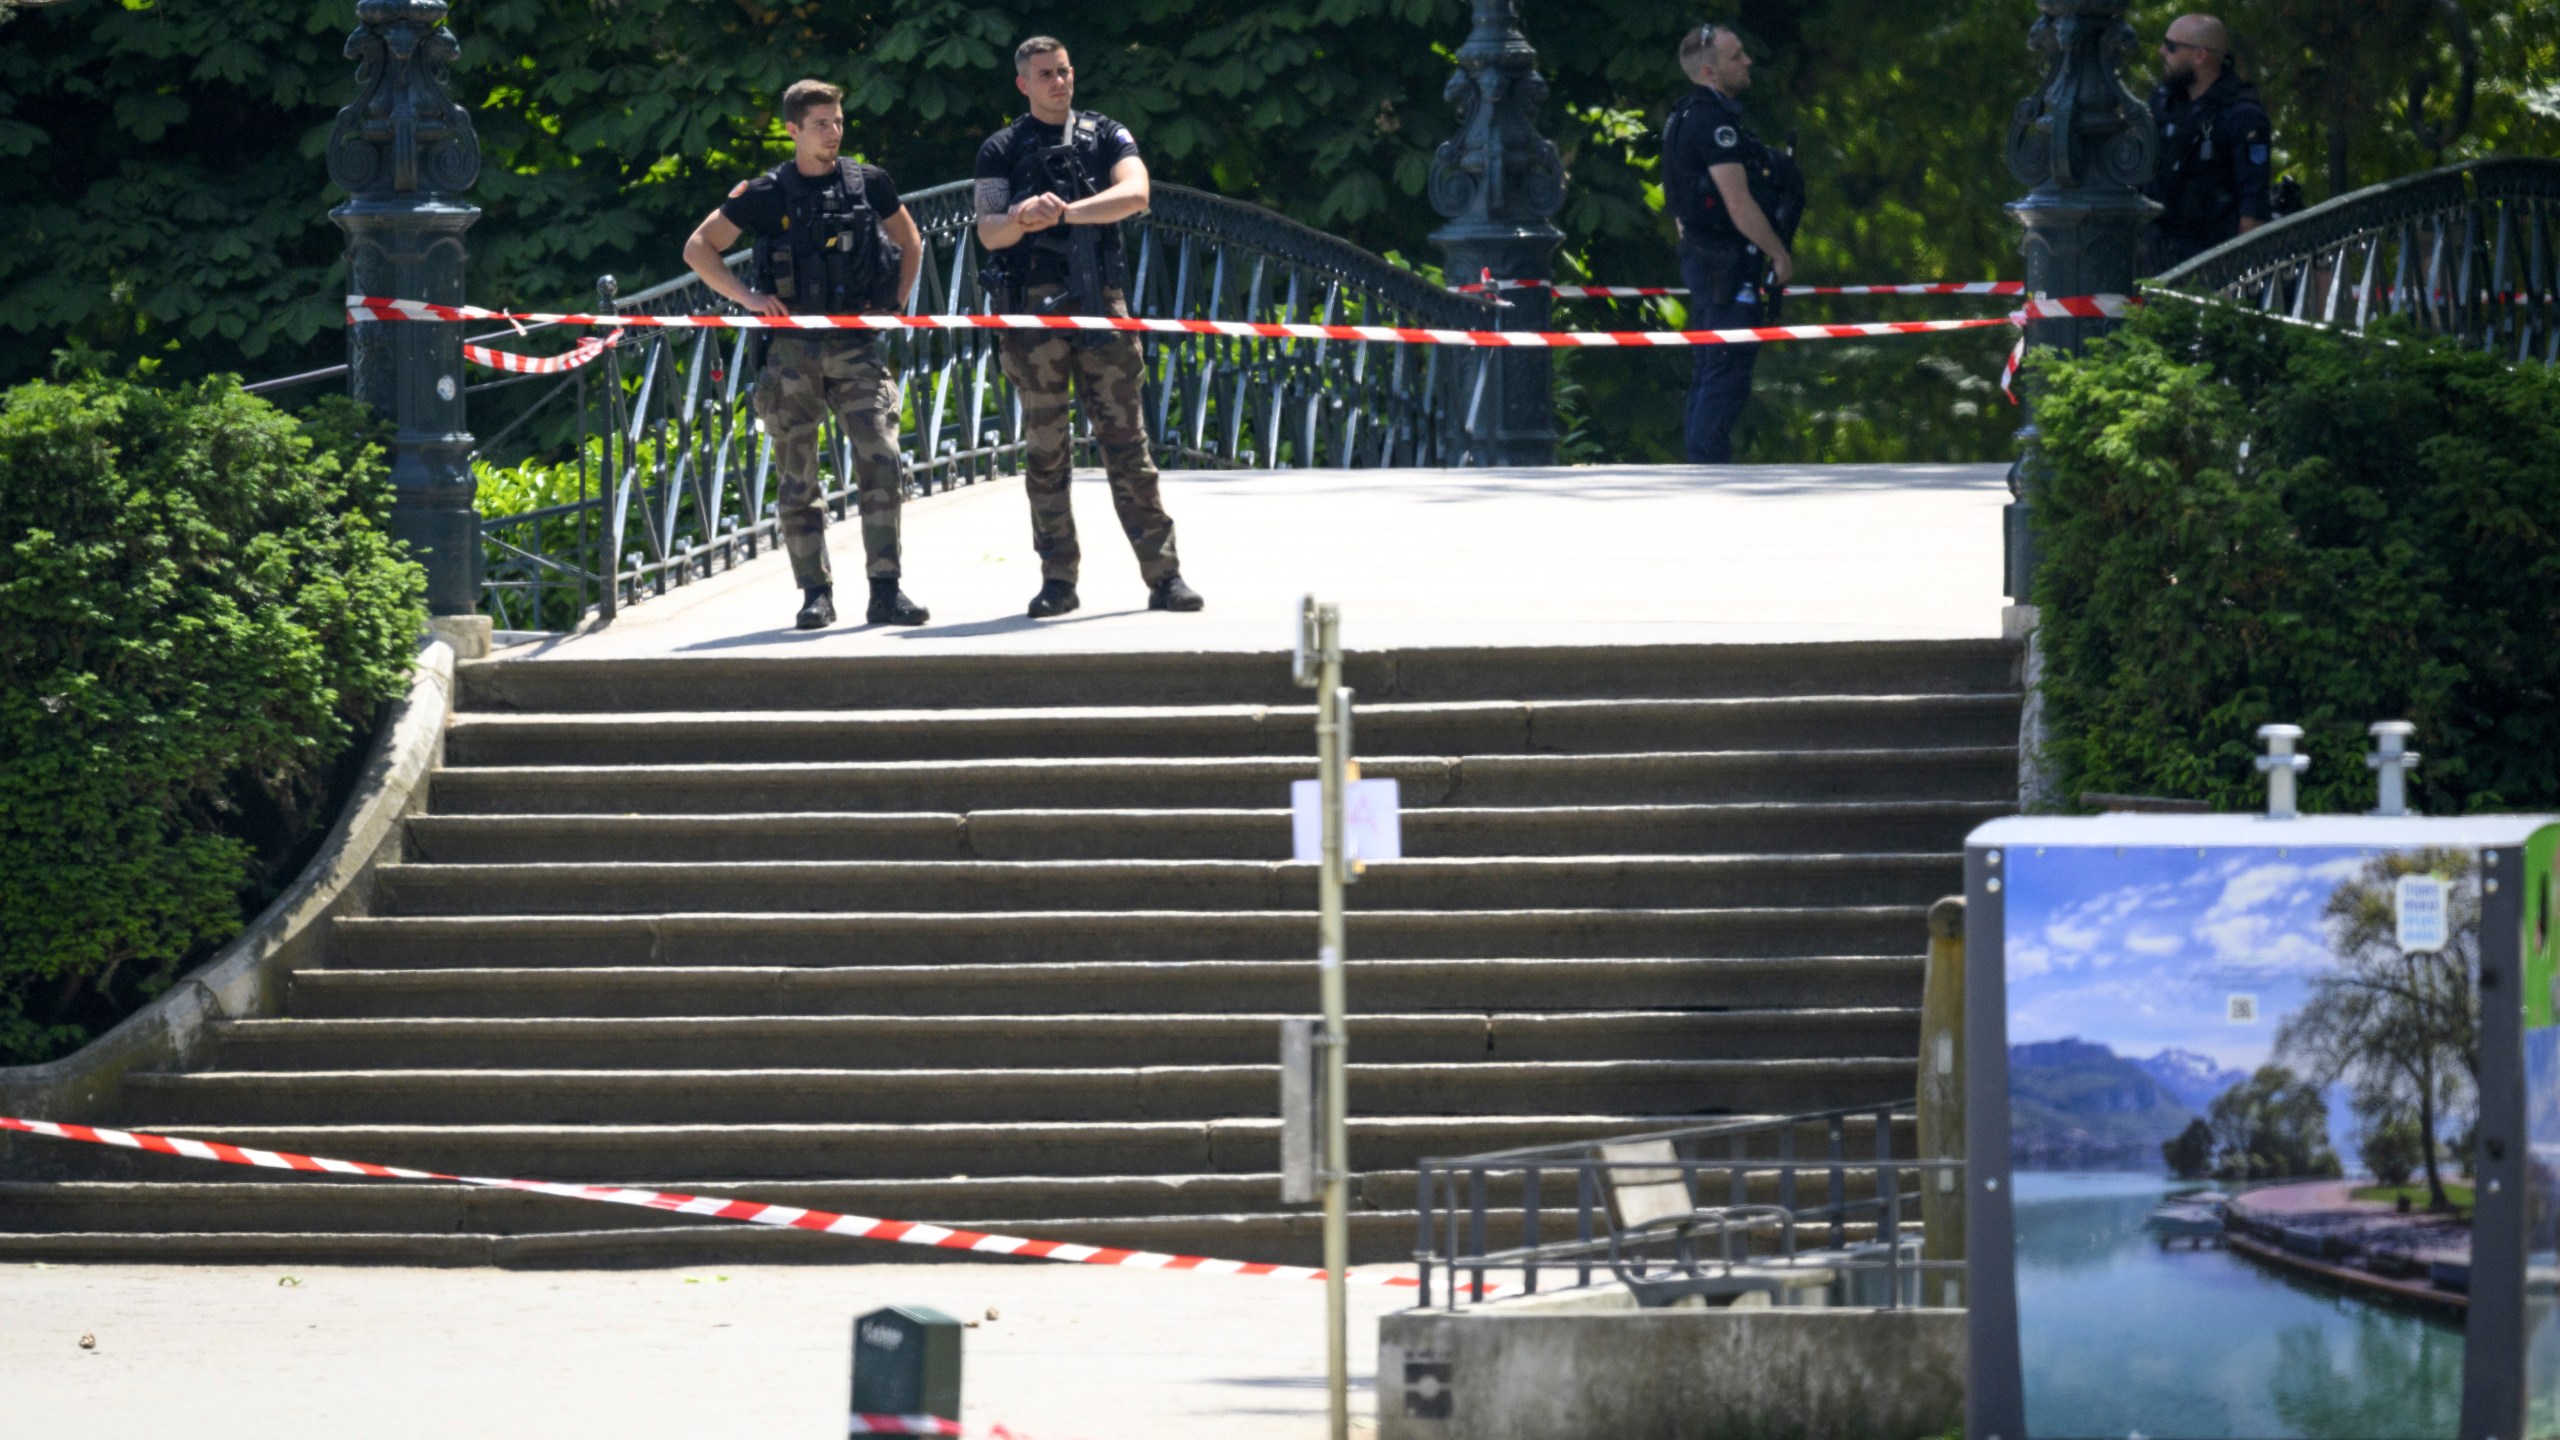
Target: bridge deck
(1596,555)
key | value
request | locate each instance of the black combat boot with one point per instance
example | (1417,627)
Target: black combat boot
(890,605)
(818,610)
(1056,597)
(1170,593)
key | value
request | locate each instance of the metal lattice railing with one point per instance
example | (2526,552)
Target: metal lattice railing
(2466,251)
(677,480)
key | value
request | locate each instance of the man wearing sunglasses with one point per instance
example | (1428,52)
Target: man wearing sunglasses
(2214,133)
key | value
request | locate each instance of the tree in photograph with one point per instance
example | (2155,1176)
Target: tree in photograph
(2190,1155)
(2389,1146)
(2273,1126)
(2403,1027)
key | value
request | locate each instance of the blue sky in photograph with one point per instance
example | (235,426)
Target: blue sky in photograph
(2143,951)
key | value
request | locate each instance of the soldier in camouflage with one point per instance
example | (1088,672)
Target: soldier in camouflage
(853,240)
(1052,189)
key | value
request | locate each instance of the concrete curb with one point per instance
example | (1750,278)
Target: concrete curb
(247,978)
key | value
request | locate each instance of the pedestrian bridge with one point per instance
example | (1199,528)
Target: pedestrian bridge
(1604,555)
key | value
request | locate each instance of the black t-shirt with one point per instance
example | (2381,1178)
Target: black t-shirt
(756,206)
(1004,152)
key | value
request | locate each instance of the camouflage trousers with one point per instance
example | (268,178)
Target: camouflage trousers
(1107,371)
(805,381)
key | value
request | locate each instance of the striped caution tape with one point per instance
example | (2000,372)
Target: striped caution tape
(366,308)
(1638,292)
(749,1212)
(515,364)
(928,1425)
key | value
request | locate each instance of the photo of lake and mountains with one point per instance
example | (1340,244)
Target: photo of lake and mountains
(2241,1108)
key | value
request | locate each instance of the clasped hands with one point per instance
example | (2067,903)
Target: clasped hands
(1038,212)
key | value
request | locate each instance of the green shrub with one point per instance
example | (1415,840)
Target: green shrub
(2245,521)
(200,613)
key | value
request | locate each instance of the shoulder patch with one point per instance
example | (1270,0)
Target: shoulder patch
(1727,136)
(2257,154)
(738,189)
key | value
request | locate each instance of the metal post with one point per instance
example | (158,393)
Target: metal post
(1320,664)
(1497,180)
(404,153)
(2085,143)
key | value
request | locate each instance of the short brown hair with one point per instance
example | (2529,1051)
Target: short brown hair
(1033,48)
(805,96)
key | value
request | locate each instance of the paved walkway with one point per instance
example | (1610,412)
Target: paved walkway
(1603,555)
(234,1353)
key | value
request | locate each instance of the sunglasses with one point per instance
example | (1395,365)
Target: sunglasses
(2172,47)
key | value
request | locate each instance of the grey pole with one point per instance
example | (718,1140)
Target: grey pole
(1497,180)
(405,153)
(2085,144)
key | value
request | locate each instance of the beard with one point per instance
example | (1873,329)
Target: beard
(2178,74)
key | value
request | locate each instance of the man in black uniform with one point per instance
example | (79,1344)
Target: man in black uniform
(1728,243)
(832,238)
(1053,187)
(2212,181)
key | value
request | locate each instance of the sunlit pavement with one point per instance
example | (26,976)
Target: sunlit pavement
(268,1353)
(1602,555)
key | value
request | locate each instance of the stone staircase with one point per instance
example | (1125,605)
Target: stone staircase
(1004,942)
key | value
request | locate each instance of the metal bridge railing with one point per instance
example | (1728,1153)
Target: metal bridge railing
(2467,251)
(1829,1203)
(676,478)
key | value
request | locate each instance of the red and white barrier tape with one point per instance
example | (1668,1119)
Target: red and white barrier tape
(515,364)
(367,308)
(749,1212)
(2079,307)
(1637,292)
(928,1425)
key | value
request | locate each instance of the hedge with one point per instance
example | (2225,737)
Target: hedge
(201,614)
(2243,520)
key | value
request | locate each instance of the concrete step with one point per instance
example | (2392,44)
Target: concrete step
(908,786)
(786,887)
(551,1096)
(1113,987)
(1043,1041)
(1869,826)
(1481,727)
(804,682)
(391,1206)
(1271,1237)
(1016,937)
(650,1154)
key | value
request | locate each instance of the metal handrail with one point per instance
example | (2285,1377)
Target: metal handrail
(684,474)
(1454,1208)
(2467,251)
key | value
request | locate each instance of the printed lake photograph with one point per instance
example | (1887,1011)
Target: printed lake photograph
(2242,1086)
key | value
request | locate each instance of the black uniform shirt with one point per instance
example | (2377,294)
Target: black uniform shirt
(2213,161)
(1003,152)
(756,206)
(1705,130)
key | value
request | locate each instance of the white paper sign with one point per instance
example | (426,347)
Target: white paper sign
(2419,902)
(1372,820)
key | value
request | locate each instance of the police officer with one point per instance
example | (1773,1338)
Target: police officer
(2212,181)
(1729,243)
(1052,189)
(832,238)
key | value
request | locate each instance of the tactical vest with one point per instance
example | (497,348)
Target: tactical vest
(2195,188)
(830,256)
(1775,181)
(1066,171)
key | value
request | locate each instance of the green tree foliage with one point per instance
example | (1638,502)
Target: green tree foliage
(2390,1148)
(160,160)
(2189,1154)
(2274,1125)
(200,610)
(2245,521)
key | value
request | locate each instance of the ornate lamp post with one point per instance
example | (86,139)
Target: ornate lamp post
(404,152)
(1497,180)
(2085,143)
